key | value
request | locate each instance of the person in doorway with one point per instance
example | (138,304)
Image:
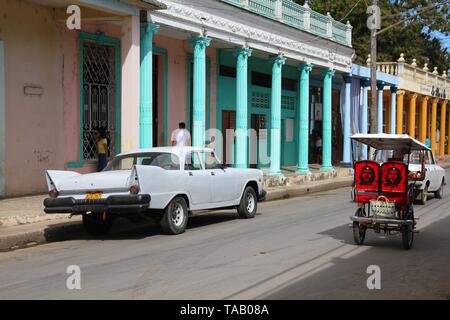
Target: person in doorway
(212,143)
(318,147)
(102,148)
(181,137)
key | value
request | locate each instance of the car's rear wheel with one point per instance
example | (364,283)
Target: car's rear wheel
(249,204)
(439,194)
(97,224)
(175,217)
(424,195)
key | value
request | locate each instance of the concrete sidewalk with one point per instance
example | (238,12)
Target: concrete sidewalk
(23,222)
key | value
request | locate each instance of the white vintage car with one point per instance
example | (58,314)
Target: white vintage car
(434,177)
(165,183)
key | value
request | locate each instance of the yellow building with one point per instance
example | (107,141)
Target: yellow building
(422,99)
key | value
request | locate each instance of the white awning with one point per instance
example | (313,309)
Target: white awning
(384,141)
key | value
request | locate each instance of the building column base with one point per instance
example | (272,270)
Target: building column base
(346,164)
(303,171)
(276,174)
(326,168)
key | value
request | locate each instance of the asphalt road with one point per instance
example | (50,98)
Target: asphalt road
(298,248)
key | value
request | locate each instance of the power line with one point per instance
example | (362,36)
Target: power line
(350,11)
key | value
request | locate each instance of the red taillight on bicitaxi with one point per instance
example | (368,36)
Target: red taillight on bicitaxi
(134,189)
(53,193)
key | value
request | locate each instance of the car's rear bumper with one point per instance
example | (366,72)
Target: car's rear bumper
(112,204)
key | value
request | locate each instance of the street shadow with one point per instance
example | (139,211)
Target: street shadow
(344,234)
(418,273)
(123,229)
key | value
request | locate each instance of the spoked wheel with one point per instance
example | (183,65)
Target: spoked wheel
(359,231)
(424,195)
(408,231)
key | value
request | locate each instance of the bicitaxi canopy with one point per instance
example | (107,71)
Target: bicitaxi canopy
(384,141)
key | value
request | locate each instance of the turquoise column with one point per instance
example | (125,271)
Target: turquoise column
(346,161)
(380,86)
(199,97)
(393,109)
(326,120)
(148,30)
(364,128)
(303,118)
(242,106)
(275,118)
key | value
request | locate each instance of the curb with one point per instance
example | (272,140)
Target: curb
(43,233)
(297,191)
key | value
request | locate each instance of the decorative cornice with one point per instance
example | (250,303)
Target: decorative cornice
(248,33)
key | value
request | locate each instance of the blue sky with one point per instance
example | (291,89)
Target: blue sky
(445,40)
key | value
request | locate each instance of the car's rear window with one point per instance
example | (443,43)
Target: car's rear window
(165,160)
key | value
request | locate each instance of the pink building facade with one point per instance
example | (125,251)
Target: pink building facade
(46,120)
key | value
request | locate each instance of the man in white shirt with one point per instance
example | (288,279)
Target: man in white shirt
(181,137)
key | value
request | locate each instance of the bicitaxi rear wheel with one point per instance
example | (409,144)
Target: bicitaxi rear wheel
(359,231)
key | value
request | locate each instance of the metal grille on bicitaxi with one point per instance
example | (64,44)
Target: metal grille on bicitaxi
(99,96)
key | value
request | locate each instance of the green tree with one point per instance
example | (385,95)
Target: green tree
(413,37)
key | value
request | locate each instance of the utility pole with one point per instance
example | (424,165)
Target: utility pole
(374,25)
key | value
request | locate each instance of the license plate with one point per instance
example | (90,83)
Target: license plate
(94,195)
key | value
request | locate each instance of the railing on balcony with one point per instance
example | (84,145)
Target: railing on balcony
(264,7)
(417,75)
(300,17)
(388,67)
(319,24)
(293,14)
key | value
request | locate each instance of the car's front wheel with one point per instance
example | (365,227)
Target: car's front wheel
(97,224)
(175,217)
(249,204)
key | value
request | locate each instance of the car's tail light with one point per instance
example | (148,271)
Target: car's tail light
(134,182)
(134,189)
(53,193)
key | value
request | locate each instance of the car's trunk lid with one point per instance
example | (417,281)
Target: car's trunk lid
(105,181)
